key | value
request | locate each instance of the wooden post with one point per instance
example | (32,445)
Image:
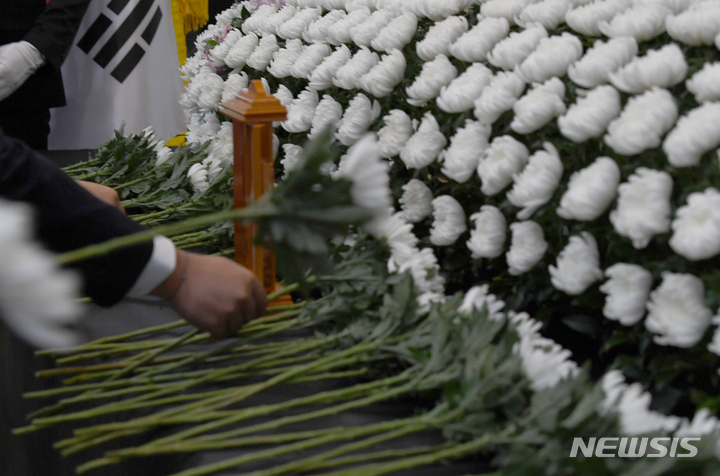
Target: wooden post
(252,114)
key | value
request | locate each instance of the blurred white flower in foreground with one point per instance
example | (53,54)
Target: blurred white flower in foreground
(424,145)
(448,221)
(586,19)
(461,158)
(578,265)
(322,76)
(475,44)
(642,22)
(548,13)
(505,157)
(643,122)
(416,201)
(537,182)
(477,298)
(627,289)
(396,34)
(539,106)
(696,227)
(552,57)
(527,247)
(511,51)
(594,68)
(395,133)
(694,134)
(705,84)
(384,76)
(498,96)
(463,91)
(643,206)
(695,27)
(590,190)
(663,68)
(591,114)
(487,239)
(357,119)
(440,36)
(37,299)
(434,75)
(348,75)
(677,311)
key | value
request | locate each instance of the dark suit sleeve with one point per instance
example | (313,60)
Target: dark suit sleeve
(55,29)
(68,218)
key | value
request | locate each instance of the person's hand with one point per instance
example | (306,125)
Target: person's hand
(103,193)
(216,295)
(18,61)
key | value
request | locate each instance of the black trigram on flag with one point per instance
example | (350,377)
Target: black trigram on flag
(123,34)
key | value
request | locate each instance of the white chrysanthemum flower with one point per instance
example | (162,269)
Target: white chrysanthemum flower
(448,221)
(695,134)
(424,269)
(467,146)
(384,76)
(339,33)
(220,52)
(677,311)
(477,298)
(416,201)
(548,13)
(510,52)
(643,122)
(162,154)
(301,111)
(198,174)
(440,36)
(642,22)
(643,206)
(284,95)
(396,34)
(363,33)
(348,75)
(498,96)
(578,265)
(475,44)
(37,299)
(212,89)
(696,227)
(662,68)
(400,239)
(322,76)
(270,25)
(695,27)
(461,94)
(221,147)
(327,115)
(357,119)
(235,84)
(310,58)
(293,158)
(705,84)
(675,6)
(537,182)
(294,28)
(317,31)
(241,51)
(552,57)
(594,68)
(263,53)
(505,157)
(627,289)
(487,239)
(259,17)
(394,135)
(352,5)
(424,146)
(507,9)
(585,19)
(527,247)
(214,167)
(435,10)
(283,60)
(539,106)
(590,191)
(591,114)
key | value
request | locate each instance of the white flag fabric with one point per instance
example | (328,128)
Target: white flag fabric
(122,69)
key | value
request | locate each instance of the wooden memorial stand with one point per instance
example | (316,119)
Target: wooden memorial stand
(252,114)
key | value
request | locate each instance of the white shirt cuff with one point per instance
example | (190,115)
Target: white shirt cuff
(161,264)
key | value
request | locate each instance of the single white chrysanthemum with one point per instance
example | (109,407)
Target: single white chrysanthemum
(263,53)
(396,34)
(240,52)
(317,31)
(591,114)
(586,19)
(537,182)
(283,60)
(293,158)
(296,26)
(578,265)
(498,96)
(310,58)
(487,239)
(661,68)
(394,135)
(705,84)
(467,146)
(271,23)
(696,227)
(327,115)
(595,67)
(642,22)
(357,119)
(475,44)
(510,52)
(448,221)
(235,84)
(694,134)
(627,289)
(416,201)
(505,157)
(695,27)
(548,13)
(301,111)
(507,9)
(363,33)
(198,174)
(322,76)
(461,94)
(339,32)
(440,36)
(434,75)
(212,89)
(477,298)
(424,145)
(590,190)
(527,247)
(552,57)
(384,76)
(539,106)
(361,63)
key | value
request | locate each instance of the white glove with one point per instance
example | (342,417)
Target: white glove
(18,61)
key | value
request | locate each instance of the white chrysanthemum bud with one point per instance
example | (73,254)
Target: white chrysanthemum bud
(677,311)
(322,76)
(283,60)
(396,34)
(448,221)
(627,289)
(467,146)
(394,135)
(296,26)
(643,206)
(527,247)
(590,191)
(705,84)
(548,13)
(663,68)
(357,119)
(536,183)
(507,9)
(198,174)
(361,63)
(461,94)
(416,201)
(425,145)
(487,239)
(241,51)
(384,76)
(585,19)
(263,54)
(694,135)
(339,33)
(440,36)
(696,227)
(513,50)
(434,75)
(594,68)
(498,96)
(327,115)
(590,115)
(317,31)
(363,33)
(271,23)
(642,22)
(695,27)
(552,57)
(505,157)
(578,265)
(478,299)
(475,44)
(643,122)
(235,84)
(212,89)
(539,106)
(301,111)
(293,158)
(310,58)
